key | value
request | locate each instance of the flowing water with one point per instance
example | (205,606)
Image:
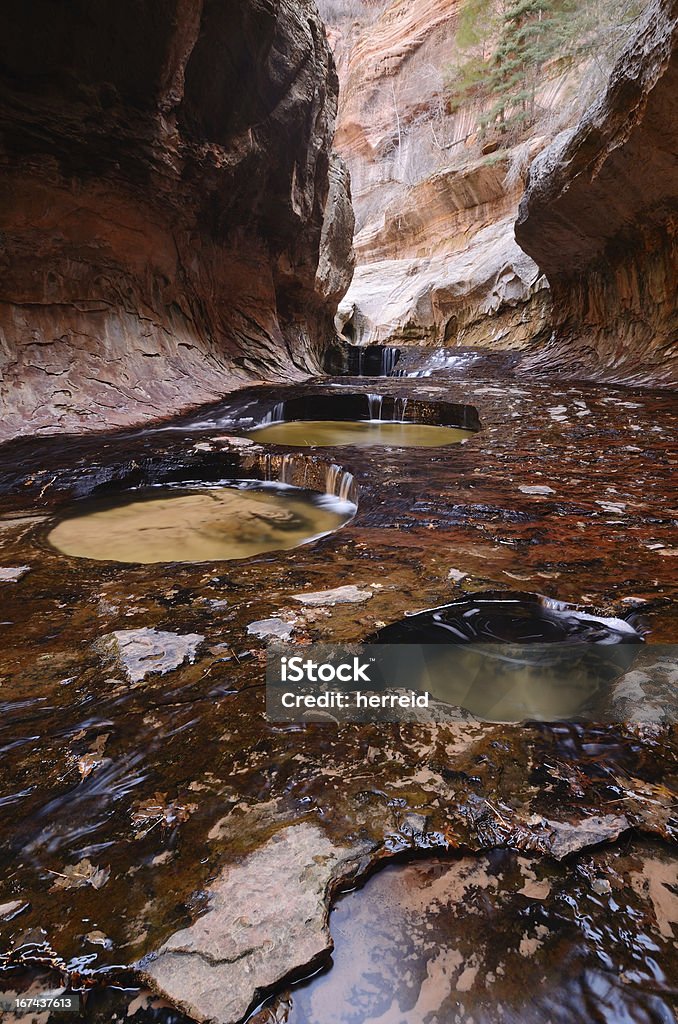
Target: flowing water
(361,434)
(124,798)
(210,524)
(501,937)
(372,360)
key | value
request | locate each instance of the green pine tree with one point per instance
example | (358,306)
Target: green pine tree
(507,47)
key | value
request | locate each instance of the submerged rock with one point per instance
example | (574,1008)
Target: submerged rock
(143,652)
(501,937)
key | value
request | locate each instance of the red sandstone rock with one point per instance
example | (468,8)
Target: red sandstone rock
(165,177)
(600,215)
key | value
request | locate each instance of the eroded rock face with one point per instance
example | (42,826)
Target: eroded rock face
(166,194)
(600,213)
(487,295)
(437,262)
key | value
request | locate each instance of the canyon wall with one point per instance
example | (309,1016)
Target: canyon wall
(172,222)
(437,261)
(600,217)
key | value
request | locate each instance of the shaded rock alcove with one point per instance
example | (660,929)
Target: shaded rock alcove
(173,221)
(599,216)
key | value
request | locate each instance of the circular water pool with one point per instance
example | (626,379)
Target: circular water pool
(198,524)
(513,657)
(359,433)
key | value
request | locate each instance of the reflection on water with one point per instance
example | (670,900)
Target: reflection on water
(502,938)
(210,524)
(361,433)
(542,683)
(510,658)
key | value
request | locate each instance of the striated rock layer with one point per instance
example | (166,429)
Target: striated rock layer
(437,261)
(600,216)
(165,169)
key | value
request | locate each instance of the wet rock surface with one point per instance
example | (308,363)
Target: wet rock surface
(146,796)
(339,595)
(602,231)
(266,916)
(140,652)
(502,937)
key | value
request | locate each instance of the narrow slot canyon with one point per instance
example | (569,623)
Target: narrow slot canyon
(338,367)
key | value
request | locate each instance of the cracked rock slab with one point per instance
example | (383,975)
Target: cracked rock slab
(339,595)
(143,652)
(13,574)
(267,917)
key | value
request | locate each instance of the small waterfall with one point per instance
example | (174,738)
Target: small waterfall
(440,359)
(346,485)
(338,482)
(332,477)
(374,404)
(276,414)
(399,407)
(389,357)
(371,360)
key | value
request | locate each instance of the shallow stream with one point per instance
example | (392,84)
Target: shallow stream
(137,762)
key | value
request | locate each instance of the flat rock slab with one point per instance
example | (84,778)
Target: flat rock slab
(270,629)
(13,574)
(142,652)
(567,838)
(267,916)
(339,595)
(535,489)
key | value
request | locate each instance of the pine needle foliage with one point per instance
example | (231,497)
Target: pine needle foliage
(508,48)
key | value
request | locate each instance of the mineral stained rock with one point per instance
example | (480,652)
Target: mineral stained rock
(599,216)
(166,194)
